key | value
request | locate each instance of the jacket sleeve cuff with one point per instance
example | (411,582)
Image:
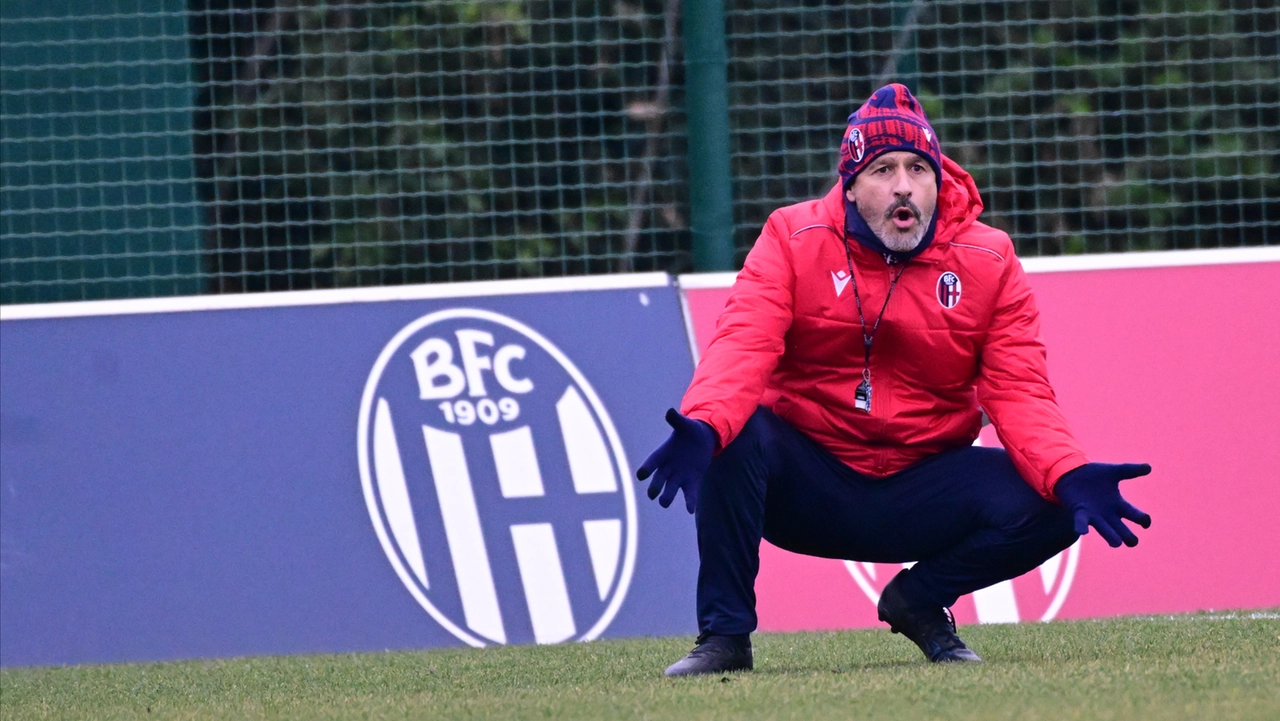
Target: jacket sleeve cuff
(1058,470)
(721,429)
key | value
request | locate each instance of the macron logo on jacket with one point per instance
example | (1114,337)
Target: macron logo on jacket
(841,279)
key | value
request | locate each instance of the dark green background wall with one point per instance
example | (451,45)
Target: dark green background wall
(97,191)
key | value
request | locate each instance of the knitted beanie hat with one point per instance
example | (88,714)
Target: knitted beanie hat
(891,119)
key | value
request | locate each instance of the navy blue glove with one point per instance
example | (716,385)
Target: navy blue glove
(680,461)
(1092,492)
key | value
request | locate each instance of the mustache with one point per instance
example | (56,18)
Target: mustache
(899,204)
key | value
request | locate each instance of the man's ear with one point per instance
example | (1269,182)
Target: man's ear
(848,194)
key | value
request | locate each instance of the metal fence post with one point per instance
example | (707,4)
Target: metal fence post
(707,111)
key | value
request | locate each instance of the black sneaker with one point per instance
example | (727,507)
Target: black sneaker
(714,654)
(932,629)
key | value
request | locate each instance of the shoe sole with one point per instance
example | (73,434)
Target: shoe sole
(708,672)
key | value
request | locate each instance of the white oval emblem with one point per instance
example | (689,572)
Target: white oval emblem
(857,145)
(948,289)
(1035,596)
(496,482)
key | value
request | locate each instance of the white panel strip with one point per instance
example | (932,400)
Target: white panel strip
(394,491)
(588,457)
(462,528)
(1049,571)
(1072,558)
(517,463)
(604,540)
(1151,259)
(996,604)
(690,335)
(695,281)
(472,289)
(855,569)
(869,569)
(543,579)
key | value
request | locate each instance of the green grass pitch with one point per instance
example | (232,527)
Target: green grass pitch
(1215,666)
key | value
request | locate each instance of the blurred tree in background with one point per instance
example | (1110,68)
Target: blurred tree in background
(1089,125)
(369,143)
(1117,124)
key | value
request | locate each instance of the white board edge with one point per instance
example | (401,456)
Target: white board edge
(240,301)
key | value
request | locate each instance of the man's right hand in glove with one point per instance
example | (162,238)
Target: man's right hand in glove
(680,462)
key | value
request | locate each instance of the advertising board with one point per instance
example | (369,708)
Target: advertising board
(1171,359)
(414,467)
(339,471)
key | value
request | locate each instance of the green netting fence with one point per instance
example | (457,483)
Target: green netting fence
(1089,125)
(158,147)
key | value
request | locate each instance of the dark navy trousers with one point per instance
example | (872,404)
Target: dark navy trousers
(966,516)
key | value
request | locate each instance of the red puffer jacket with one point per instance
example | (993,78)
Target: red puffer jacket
(789,339)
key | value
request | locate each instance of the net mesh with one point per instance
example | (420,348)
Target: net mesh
(1089,125)
(369,144)
(154,147)
(96,197)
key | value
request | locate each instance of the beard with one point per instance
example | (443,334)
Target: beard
(894,239)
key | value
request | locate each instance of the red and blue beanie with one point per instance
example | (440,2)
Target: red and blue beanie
(891,119)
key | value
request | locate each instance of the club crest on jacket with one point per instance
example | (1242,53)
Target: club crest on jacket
(948,289)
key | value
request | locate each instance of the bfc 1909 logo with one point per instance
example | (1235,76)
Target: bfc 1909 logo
(496,481)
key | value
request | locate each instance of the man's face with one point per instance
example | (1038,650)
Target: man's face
(896,195)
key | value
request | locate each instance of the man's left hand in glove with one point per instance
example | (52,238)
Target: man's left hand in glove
(1092,492)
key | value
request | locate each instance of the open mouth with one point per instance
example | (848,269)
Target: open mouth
(903,217)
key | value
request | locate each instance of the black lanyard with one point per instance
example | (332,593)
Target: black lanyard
(862,396)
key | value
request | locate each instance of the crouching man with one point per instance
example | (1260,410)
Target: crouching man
(835,409)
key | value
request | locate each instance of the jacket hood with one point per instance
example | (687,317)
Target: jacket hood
(959,203)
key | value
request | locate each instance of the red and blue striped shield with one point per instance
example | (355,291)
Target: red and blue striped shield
(948,289)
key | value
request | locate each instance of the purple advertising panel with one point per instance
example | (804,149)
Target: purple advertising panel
(329,471)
